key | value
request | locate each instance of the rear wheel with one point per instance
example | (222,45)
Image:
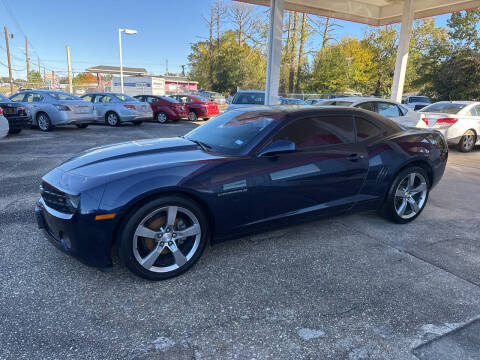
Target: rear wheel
(82,126)
(407,195)
(112,119)
(206,119)
(43,122)
(161,117)
(14,131)
(467,142)
(164,237)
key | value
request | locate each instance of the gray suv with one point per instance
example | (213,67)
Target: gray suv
(50,108)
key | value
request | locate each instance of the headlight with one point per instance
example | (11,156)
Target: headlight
(74,200)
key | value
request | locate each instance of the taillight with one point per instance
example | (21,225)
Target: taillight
(1,111)
(446,121)
(130,107)
(425,120)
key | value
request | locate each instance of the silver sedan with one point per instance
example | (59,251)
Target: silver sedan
(458,121)
(391,109)
(50,108)
(114,108)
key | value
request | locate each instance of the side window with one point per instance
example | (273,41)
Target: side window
(98,98)
(87,98)
(311,132)
(365,129)
(32,97)
(18,97)
(477,108)
(366,106)
(387,109)
(403,110)
(151,99)
(340,125)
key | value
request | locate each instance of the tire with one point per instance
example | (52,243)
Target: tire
(192,116)
(14,131)
(206,119)
(467,142)
(82,126)
(112,119)
(137,123)
(398,206)
(161,117)
(133,248)
(43,122)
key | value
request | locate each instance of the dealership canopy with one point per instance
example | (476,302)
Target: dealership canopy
(372,12)
(104,69)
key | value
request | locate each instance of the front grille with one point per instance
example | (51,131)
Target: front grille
(54,198)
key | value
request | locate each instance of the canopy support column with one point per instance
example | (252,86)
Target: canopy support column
(402,51)
(272,80)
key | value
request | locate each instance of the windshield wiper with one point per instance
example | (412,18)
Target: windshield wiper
(204,146)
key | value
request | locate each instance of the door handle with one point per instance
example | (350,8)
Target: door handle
(355,157)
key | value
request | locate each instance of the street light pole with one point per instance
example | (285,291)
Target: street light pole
(128,32)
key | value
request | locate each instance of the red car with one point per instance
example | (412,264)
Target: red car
(164,108)
(198,107)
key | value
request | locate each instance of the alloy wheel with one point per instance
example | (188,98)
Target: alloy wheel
(192,116)
(468,140)
(162,117)
(166,239)
(112,119)
(43,122)
(410,195)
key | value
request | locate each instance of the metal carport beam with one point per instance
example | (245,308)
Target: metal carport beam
(402,51)
(272,79)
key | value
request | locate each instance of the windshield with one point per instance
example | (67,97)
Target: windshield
(63,96)
(123,97)
(199,98)
(3,98)
(448,108)
(342,103)
(233,131)
(420,99)
(249,98)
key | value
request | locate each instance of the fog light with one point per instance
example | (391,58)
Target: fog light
(65,240)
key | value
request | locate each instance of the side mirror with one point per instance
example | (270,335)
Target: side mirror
(278,146)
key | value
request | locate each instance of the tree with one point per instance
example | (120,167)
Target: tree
(85,78)
(34,77)
(464,29)
(456,75)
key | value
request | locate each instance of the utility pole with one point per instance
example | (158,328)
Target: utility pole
(166,67)
(9,63)
(26,57)
(39,73)
(69,70)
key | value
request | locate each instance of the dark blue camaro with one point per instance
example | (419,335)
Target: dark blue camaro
(249,169)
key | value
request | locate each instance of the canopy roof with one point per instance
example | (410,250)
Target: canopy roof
(104,69)
(372,12)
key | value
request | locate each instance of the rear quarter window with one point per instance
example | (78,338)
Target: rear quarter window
(366,129)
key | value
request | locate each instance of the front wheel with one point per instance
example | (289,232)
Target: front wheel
(192,116)
(407,195)
(164,237)
(161,117)
(467,142)
(43,122)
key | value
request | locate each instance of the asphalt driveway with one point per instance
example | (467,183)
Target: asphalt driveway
(350,287)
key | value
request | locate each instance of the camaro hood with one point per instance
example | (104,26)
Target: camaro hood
(135,156)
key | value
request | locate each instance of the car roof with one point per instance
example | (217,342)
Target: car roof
(466,102)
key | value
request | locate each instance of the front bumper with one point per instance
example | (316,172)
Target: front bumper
(77,235)
(19,122)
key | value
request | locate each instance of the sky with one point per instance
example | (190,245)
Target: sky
(166,30)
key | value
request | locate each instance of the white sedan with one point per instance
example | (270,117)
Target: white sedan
(399,113)
(3,125)
(458,121)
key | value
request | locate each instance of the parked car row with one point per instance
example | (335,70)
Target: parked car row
(48,108)
(458,121)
